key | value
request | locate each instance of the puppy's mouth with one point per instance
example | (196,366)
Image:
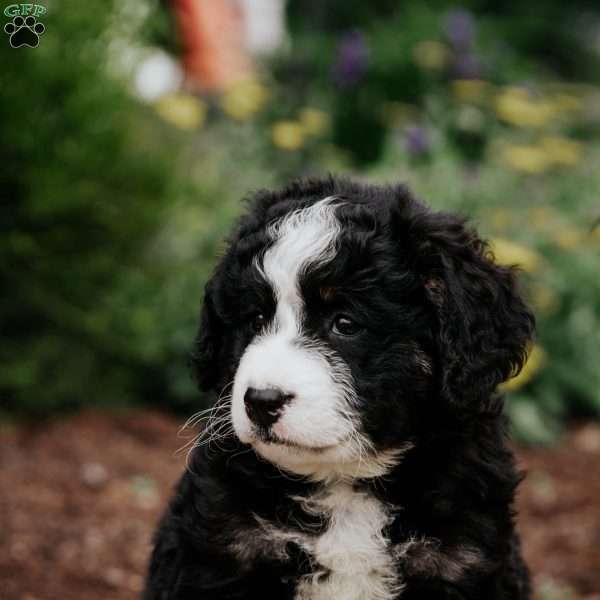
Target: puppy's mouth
(266,436)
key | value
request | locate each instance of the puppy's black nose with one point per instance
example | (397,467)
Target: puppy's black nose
(263,407)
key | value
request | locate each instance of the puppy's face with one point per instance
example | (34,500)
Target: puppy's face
(331,328)
(328,338)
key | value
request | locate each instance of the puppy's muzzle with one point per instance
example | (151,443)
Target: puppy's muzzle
(264,407)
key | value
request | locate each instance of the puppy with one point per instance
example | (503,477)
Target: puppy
(357,450)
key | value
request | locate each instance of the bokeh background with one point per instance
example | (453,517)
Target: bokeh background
(128,138)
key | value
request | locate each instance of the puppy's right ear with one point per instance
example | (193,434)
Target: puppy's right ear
(205,356)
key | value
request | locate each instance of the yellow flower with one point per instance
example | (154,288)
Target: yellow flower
(516,106)
(536,359)
(182,110)
(569,237)
(314,121)
(288,135)
(470,90)
(501,218)
(567,102)
(244,99)
(562,151)
(526,158)
(430,54)
(508,253)
(543,298)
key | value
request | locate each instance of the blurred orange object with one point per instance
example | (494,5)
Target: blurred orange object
(212,35)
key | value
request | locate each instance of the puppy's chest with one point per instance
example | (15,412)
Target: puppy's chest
(351,558)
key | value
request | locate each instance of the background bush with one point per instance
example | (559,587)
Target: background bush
(114,209)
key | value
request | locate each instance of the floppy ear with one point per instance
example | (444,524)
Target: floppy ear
(207,344)
(483,325)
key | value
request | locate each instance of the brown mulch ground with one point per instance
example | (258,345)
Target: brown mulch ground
(79,499)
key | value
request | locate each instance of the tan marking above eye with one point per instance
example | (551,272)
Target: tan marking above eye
(327,293)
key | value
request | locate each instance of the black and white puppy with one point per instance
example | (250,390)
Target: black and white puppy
(357,450)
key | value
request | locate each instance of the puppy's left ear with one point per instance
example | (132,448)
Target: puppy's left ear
(205,356)
(483,325)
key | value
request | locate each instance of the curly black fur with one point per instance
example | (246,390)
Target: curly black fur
(430,289)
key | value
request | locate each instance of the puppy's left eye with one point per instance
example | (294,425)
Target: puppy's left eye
(344,325)
(258,322)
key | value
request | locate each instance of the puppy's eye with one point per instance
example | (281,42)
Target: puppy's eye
(344,325)
(258,322)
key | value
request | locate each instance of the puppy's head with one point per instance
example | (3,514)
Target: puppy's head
(346,320)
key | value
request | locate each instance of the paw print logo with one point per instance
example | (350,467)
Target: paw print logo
(24,32)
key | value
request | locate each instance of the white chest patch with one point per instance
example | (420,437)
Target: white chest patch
(353,551)
(353,558)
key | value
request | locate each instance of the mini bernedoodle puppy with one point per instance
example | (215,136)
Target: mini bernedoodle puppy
(357,450)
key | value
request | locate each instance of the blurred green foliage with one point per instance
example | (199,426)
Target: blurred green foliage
(87,175)
(114,209)
(82,191)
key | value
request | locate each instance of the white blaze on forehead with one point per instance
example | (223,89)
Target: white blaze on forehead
(281,356)
(305,237)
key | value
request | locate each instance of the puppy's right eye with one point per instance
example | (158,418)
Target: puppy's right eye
(258,322)
(345,326)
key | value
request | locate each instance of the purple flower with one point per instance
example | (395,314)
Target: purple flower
(351,59)
(416,140)
(466,66)
(460,28)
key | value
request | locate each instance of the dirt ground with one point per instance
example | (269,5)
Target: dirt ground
(79,499)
